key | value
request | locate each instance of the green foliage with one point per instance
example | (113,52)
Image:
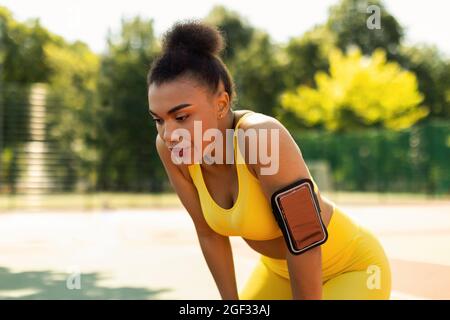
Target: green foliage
(259,76)
(98,111)
(348,21)
(359,92)
(127,141)
(252,59)
(305,55)
(22,50)
(301,58)
(433,73)
(32,54)
(72,108)
(236,30)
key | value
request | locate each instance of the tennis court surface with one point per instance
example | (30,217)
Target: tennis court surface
(154,254)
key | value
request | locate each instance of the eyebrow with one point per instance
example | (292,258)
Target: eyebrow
(174,109)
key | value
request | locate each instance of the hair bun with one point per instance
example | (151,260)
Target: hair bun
(194,36)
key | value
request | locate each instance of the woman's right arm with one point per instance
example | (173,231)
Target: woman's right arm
(216,248)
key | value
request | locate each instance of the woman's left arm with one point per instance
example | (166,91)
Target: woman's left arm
(283,164)
(305,273)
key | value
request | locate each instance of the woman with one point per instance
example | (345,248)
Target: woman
(189,85)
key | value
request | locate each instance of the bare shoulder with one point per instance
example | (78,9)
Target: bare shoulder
(278,151)
(275,132)
(258,120)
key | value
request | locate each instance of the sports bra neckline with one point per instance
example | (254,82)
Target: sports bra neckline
(235,147)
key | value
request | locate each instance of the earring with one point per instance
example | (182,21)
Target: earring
(221,106)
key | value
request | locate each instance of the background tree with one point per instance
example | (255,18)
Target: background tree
(128,158)
(236,30)
(31,54)
(252,59)
(99,118)
(72,111)
(432,69)
(22,46)
(258,75)
(348,21)
(301,58)
(359,92)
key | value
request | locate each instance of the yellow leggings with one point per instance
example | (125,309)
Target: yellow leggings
(354,266)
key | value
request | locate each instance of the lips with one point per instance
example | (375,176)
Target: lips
(178,151)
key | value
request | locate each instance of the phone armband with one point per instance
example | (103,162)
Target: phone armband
(297,212)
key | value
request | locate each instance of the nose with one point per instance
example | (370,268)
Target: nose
(170,133)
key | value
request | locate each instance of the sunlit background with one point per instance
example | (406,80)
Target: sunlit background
(82,187)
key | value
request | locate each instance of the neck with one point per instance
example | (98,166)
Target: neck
(228,122)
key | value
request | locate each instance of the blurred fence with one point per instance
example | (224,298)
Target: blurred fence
(373,160)
(31,162)
(415,160)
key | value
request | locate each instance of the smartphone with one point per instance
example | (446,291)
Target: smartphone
(297,212)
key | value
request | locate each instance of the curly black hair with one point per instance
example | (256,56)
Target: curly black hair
(192,48)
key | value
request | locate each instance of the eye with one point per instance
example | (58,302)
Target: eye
(158,121)
(181,118)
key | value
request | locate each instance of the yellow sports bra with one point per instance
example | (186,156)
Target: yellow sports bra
(251,216)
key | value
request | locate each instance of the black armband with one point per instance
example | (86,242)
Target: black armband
(297,212)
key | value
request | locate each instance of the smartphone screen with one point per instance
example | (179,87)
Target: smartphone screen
(301,216)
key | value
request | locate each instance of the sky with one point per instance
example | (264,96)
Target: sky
(89,20)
